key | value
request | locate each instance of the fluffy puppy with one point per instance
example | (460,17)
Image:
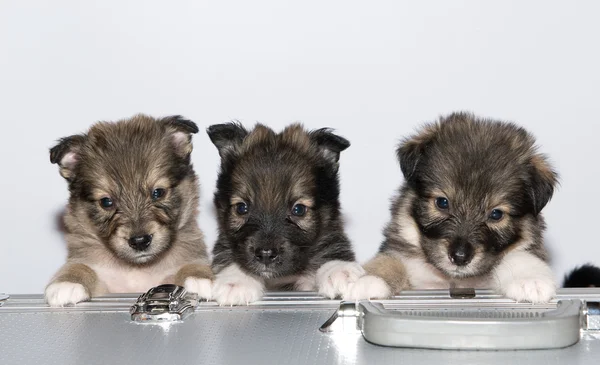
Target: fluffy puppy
(131,218)
(279,213)
(468,213)
(584,276)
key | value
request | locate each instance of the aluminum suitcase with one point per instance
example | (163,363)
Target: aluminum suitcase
(168,326)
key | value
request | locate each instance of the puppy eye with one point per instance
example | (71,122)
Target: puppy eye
(241,208)
(106,203)
(158,193)
(299,210)
(442,203)
(496,215)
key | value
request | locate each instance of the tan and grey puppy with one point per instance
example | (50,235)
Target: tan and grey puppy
(468,214)
(131,218)
(279,216)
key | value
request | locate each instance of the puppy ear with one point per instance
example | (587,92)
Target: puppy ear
(181,130)
(227,137)
(543,179)
(331,144)
(67,154)
(410,150)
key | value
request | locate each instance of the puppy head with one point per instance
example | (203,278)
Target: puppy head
(276,193)
(478,186)
(131,183)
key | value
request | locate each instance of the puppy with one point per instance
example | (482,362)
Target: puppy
(584,276)
(131,218)
(468,214)
(278,208)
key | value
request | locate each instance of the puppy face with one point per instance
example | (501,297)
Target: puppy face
(275,194)
(131,183)
(478,187)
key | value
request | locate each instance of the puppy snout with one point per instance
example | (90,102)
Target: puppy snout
(140,243)
(266,255)
(460,253)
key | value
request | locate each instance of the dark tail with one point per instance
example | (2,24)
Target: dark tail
(585,276)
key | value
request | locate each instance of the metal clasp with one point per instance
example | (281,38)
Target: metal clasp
(344,319)
(3,298)
(164,303)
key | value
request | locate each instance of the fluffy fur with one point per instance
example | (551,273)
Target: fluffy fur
(584,276)
(131,218)
(277,202)
(468,213)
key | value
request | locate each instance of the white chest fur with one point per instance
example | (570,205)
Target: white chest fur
(425,276)
(118,279)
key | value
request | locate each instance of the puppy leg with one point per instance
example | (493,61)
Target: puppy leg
(72,284)
(524,277)
(386,276)
(305,283)
(232,286)
(335,278)
(196,278)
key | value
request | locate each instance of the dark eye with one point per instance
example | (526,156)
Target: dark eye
(158,193)
(299,210)
(106,203)
(442,203)
(241,208)
(496,215)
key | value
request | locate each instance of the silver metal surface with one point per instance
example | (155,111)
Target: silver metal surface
(164,303)
(592,316)
(3,297)
(280,329)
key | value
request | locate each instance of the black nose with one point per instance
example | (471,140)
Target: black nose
(461,254)
(266,255)
(140,243)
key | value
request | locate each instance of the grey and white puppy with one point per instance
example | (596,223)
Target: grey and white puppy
(278,209)
(131,218)
(468,213)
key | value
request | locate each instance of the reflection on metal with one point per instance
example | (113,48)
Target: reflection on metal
(164,303)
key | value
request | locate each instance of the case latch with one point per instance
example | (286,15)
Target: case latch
(164,303)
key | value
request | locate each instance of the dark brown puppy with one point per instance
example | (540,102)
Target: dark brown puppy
(278,209)
(131,217)
(468,214)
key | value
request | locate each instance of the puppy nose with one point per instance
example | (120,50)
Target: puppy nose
(140,243)
(461,254)
(266,255)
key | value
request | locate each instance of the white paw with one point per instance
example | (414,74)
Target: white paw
(334,278)
(534,290)
(65,293)
(202,287)
(234,287)
(368,287)
(305,283)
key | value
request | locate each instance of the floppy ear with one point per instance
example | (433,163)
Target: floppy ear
(67,154)
(331,145)
(410,150)
(181,130)
(227,137)
(543,180)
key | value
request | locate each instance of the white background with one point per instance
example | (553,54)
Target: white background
(374,70)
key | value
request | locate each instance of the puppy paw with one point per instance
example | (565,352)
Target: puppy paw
(534,290)
(200,286)
(368,287)
(305,283)
(335,278)
(65,293)
(234,287)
